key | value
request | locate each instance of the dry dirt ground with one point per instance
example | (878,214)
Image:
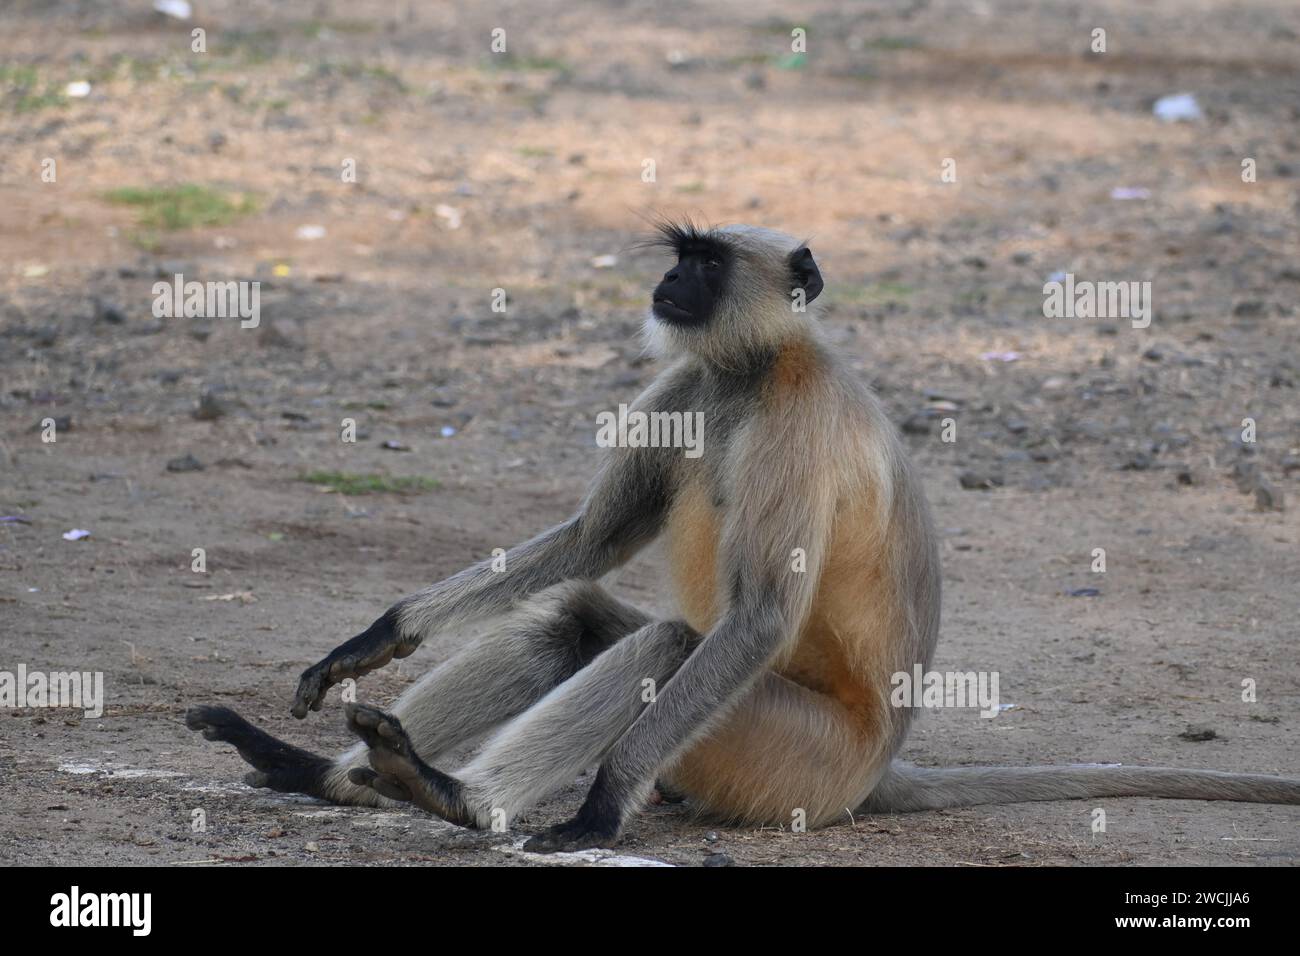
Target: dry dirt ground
(478,171)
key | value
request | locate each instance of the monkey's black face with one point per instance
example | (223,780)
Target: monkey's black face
(689,292)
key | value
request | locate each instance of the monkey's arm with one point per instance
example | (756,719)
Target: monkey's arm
(623,512)
(769,603)
(730,658)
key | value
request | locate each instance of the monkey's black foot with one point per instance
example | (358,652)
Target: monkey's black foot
(398,772)
(370,650)
(576,834)
(277,765)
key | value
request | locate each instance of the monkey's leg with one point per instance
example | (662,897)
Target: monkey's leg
(783,754)
(549,638)
(539,751)
(277,765)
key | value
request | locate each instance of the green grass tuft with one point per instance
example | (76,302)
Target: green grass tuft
(182,207)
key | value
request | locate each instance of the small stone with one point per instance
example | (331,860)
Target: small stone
(185,463)
(979,481)
(107,312)
(1246,475)
(917,424)
(936,395)
(210,408)
(1198,732)
(718,859)
(170,268)
(272,336)
(1267,497)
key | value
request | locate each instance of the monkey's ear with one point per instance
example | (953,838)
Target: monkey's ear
(806,274)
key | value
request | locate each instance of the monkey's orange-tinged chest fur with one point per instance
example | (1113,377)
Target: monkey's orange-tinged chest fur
(836,651)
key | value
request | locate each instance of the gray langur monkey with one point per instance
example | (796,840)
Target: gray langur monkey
(772,691)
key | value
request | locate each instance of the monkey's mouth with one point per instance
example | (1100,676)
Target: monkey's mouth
(669,311)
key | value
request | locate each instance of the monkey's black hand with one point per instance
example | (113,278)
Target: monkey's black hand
(576,834)
(370,650)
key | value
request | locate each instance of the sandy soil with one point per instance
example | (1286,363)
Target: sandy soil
(1101,435)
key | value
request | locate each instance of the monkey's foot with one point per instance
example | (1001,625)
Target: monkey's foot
(576,834)
(399,773)
(370,650)
(278,765)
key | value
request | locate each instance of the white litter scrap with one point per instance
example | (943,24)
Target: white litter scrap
(604,262)
(116,771)
(310,232)
(77,89)
(1178,107)
(76,534)
(596,857)
(177,9)
(449,213)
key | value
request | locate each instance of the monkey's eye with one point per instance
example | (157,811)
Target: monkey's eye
(711,263)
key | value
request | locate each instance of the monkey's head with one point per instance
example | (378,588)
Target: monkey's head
(735,292)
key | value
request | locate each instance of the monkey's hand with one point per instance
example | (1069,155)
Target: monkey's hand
(370,650)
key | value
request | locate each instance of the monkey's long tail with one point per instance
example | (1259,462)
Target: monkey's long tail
(905,788)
